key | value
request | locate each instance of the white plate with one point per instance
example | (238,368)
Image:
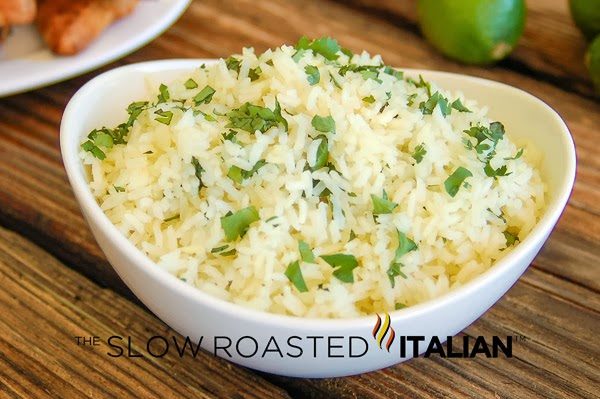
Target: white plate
(26,63)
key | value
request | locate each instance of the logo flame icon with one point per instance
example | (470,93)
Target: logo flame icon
(381,329)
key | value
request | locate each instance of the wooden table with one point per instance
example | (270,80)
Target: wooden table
(56,283)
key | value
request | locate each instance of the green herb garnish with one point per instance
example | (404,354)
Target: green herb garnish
(322,154)
(344,264)
(369,99)
(495,173)
(198,169)
(410,100)
(394,72)
(164,95)
(419,153)
(238,175)
(323,124)
(163,116)
(204,96)
(306,254)
(517,155)
(399,306)
(456,179)
(325,46)
(366,71)
(233,64)
(119,189)
(420,84)
(190,84)
(434,100)
(254,73)
(382,205)
(170,219)
(294,274)
(237,224)
(405,245)
(511,238)
(219,249)
(457,105)
(312,74)
(251,118)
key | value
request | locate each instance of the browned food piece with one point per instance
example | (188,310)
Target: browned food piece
(15,12)
(69,26)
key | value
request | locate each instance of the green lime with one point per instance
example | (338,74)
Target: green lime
(586,14)
(473,31)
(592,59)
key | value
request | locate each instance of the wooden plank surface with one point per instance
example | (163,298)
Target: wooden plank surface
(45,305)
(556,303)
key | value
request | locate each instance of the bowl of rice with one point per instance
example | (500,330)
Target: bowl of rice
(294,209)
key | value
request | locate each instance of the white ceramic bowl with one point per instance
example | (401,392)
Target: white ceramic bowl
(191,312)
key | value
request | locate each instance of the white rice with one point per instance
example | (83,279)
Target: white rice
(458,237)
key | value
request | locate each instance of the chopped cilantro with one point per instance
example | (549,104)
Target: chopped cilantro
(352,235)
(306,254)
(231,136)
(382,205)
(251,118)
(170,219)
(278,117)
(164,95)
(219,249)
(457,105)
(394,72)
(420,84)
(456,179)
(419,153)
(399,306)
(294,274)
(511,238)
(517,155)
(323,124)
(334,81)
(322,154)
(119,189)
(405,245)
(198,169)
(434,100)
(190,84)
(369,99)
(410,100)
(238,175)
(163,116)
(89,146)
(254,73)
(325,46)
(233,64)
(312,74)
(204,96)
(494,133)
(344,264)
(394,271)
(237,224)
(366,71)
(495,173)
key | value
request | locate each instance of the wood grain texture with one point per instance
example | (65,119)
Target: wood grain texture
(45,305)
(556,303)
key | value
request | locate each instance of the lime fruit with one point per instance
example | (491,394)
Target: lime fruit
(592,59)
(586,14)
(473,31)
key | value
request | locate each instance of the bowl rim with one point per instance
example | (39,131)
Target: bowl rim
(69,132)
